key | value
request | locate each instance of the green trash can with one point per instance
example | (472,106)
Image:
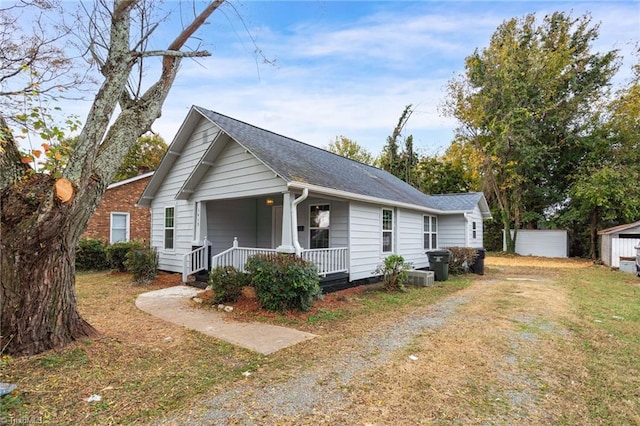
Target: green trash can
(439,263)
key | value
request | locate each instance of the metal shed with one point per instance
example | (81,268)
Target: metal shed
(619,241)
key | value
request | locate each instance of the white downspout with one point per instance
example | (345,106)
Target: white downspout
(294,220)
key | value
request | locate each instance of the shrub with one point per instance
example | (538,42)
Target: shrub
(226,283)
(142,262)
(117,253)
(394,272)
(461,259)
(91,255)
(284,282)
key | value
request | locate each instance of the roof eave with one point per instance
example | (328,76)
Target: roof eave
(359,197)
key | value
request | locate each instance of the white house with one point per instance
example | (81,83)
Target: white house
(228,189)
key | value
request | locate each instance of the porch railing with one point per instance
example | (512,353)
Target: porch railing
(237,256)
(328,261)
(195,261)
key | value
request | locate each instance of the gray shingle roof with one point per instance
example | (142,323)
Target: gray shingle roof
(296,161)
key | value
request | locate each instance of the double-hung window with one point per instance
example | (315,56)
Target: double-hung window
(119,227)
(430,232)
(169,228)
(319,224)
(387,230)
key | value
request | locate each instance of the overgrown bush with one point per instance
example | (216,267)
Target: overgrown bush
(284,282)
(117,253)
(142,262)
(461,259)
(226,283)
(91,255)
(394,273)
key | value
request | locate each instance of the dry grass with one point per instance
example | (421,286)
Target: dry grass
(539,342)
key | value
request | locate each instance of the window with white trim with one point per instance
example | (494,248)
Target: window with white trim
(474,230)
(430,231)
(319,224)
(387,230)
(169,227)
(119,227)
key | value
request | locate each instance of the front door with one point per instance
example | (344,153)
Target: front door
(276,228)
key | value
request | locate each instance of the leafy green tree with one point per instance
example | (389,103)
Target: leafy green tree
(606,185)
(146,154)
(458,170)
(348,148)
(525,102)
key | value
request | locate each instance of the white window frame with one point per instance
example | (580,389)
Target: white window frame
(328,228)
(474,230)
(384,231)
(126,225)
(430,233)
(165,228)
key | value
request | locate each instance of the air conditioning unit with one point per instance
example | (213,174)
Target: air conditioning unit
(420,278)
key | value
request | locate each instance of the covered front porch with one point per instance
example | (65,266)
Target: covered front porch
(228,232)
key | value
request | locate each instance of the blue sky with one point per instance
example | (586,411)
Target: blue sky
(349,68)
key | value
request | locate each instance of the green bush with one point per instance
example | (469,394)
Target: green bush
(226,283)
(284,282)
(117,253)
(142,262)
(394,273)
(461,259)
(91,255)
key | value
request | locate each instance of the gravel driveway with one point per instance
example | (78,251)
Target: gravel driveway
(320,390)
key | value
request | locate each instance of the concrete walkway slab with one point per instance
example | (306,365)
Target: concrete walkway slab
(173,304)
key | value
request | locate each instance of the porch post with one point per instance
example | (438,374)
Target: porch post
(287,237)
(200,231)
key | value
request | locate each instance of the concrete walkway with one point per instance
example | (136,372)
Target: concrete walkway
(173,304)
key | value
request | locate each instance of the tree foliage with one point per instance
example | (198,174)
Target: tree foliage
(145,155)
(525,102)
(605,189)
(348,148)
(400,162)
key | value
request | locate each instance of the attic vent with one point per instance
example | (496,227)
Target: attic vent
(420,278)
(205,136)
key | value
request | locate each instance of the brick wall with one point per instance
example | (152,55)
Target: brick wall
(122,199)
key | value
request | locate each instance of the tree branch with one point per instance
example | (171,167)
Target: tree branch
(176,53)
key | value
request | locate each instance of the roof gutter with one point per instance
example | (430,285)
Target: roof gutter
(364,198)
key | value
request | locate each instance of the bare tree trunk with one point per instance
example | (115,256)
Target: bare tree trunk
(38,230)
(38,270)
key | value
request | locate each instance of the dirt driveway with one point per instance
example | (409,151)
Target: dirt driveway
(494,353)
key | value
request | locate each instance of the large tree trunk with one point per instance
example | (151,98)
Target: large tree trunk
(37,251)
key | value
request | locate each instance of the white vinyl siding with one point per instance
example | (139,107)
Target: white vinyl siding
(237,173)
(452,231)
(365,239)
(229,219)
(475,217)
(171,260)
(119,227)
(409,238)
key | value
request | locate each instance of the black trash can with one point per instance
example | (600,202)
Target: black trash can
(439,263)
(478,264)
